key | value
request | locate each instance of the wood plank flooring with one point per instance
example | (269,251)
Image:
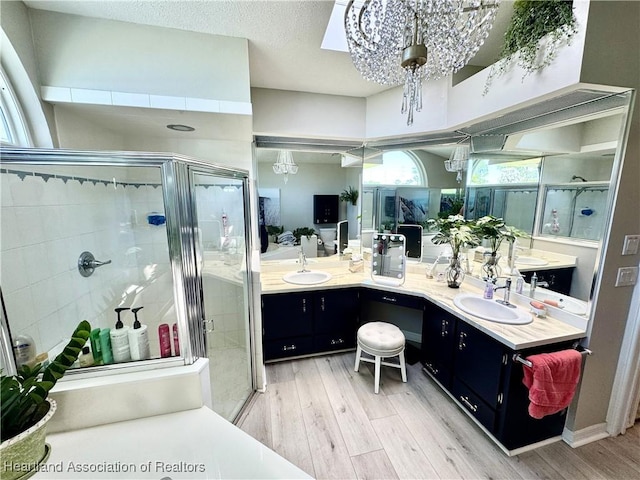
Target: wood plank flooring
(324,417)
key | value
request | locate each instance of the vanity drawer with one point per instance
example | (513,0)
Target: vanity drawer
(474,404)
(392,298)
(335,341)
(287,347)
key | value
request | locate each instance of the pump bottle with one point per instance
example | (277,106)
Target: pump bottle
(138,338)
(120,339)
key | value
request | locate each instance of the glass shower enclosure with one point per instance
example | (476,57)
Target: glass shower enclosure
(166,237)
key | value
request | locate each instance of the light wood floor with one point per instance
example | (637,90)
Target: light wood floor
(324,417)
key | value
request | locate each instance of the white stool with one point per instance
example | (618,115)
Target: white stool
(381,340)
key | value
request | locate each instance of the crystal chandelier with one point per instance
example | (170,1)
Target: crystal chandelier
(407,41)
(458,161)
(284,165)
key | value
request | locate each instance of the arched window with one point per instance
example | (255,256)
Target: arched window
(13,128)
(486,171)
(397,168)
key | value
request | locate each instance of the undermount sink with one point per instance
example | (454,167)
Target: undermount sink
(310,277)
(491,310)
(538,262)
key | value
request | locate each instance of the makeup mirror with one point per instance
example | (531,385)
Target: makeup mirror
(388,259)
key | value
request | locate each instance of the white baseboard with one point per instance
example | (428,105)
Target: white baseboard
(586,435)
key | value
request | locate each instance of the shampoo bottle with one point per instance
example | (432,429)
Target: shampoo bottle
(176,340)
(105,346)
(96,349)
(138,338)
(120,340)
(165,340)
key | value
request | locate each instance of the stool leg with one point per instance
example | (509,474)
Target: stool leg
(377,378)
(403,368)
(358,353)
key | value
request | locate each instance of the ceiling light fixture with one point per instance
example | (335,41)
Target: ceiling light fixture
(180,128)
(458,161)
(407,41)
(285,165)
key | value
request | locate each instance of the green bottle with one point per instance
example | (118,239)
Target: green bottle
(96,346)
(105,346)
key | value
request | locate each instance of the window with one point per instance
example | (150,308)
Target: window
(397,168)
(487,171)
(13,129)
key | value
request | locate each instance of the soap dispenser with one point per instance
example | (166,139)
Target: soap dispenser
(138,338)
(120,339)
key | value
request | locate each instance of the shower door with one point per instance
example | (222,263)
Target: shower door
(222,233)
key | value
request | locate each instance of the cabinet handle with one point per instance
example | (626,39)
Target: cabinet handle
(443,330)
(338,341)
(322,303)
(465,400)
(500,398)
(304,305)
(286,348)
(390,299)
(461,343)
(431,368)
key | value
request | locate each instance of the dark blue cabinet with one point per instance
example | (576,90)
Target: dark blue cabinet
(304,323)
(438,334)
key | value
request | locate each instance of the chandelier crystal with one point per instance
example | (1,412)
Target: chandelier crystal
(285,165)
(394,42)
(458,161)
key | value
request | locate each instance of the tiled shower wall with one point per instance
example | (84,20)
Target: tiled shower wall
(48,221)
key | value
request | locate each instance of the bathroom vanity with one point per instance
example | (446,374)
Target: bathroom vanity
(473,360)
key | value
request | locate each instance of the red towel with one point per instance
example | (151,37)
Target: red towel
(552,381)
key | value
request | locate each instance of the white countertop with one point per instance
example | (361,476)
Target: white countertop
(556,327)
(192,444)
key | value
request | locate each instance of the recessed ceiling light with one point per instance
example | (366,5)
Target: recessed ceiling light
(180,128)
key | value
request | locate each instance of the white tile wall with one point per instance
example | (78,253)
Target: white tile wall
(44,226)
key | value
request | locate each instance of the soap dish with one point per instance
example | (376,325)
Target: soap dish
(538,309)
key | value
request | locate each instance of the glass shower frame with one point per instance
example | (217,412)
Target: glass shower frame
(182,244)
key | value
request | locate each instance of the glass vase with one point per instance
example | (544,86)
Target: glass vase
(454,273)
(490,268)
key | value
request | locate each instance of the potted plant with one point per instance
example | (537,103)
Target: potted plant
(458,233)
(531,21)
(26,409)
(299,232)
(494,230)
(350,195)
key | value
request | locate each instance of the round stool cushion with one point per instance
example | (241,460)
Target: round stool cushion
(381,338)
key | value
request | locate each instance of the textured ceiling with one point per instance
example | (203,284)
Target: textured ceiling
(284,36)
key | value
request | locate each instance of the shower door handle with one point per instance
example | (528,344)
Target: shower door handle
(208,325)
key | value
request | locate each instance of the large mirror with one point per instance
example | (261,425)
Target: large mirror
(548,170)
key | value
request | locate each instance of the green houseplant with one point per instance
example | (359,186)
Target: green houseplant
(26,407)
(350,195)
(458,233)
(494,231)
(299,232)
(531,21)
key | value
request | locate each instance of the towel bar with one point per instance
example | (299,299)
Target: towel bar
(518,358)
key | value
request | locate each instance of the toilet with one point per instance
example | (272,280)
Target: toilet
(328,235)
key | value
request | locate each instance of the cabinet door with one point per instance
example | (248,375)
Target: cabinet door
(392,298)
(336,311)
(438,333)
(287,315)
(479,363)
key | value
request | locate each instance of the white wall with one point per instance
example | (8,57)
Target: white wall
(296,196)
(91,53)
(311,115)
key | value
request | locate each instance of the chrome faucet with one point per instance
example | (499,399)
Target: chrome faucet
(507,293)
(302,260)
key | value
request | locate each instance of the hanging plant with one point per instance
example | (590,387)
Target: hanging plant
(531,21)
